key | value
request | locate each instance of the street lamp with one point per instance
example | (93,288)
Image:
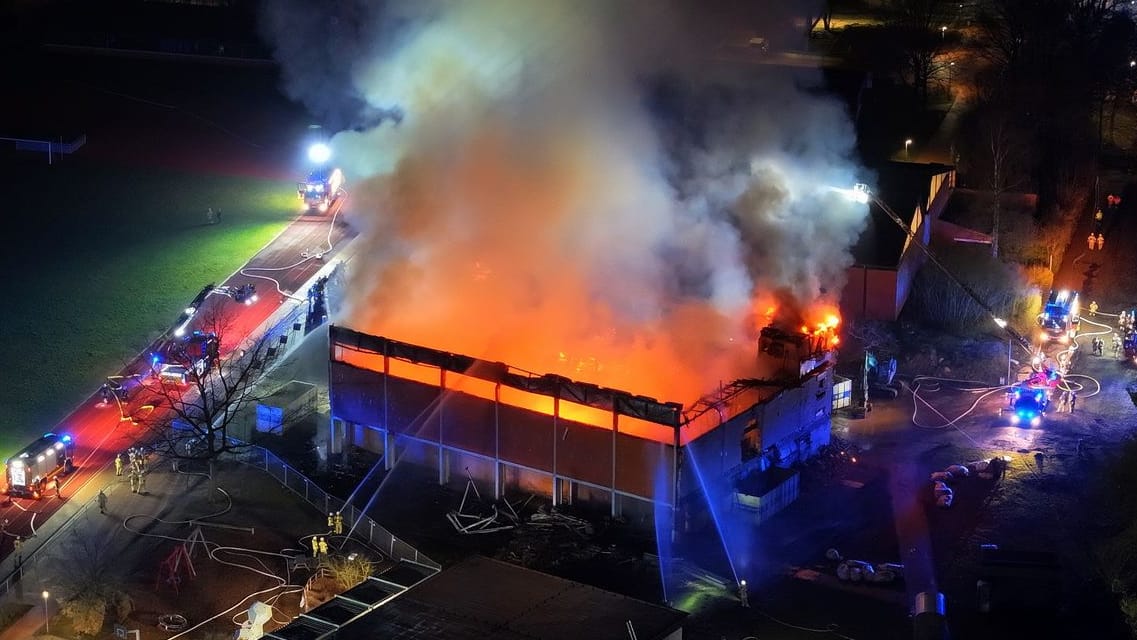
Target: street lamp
(46,620)
(907,146)
(943,33)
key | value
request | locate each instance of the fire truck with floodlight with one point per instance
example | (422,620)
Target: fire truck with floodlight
(1060,317)
(29,471)
(320,191)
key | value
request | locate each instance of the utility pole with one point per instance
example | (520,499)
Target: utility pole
(865,381)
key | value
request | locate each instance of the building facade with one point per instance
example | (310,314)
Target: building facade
(514,431)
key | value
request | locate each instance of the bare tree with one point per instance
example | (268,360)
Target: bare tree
(200,393)
(88,571)
(822,14)
(1083,46)
(348,571)
(922,35)
(873,335)
(1005,151)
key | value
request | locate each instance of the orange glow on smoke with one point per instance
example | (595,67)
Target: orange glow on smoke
(540,284)
(821,323)
(518,260)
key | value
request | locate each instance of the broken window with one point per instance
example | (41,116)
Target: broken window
(751,441)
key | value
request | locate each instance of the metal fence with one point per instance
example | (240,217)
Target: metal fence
(284,334)
(367,530)
(26,559)
(34,549)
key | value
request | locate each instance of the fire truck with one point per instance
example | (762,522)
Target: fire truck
(1029,400)
(29,471)
(187,314)
(1060,317)
(321,190)
(182,360)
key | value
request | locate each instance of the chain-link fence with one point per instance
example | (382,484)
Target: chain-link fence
(33,550)
(26,556)
(355,522)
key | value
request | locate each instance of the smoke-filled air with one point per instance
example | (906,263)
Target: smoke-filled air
(524,194)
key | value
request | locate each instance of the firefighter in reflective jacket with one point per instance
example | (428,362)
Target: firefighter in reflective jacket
(1093,307)
(1091,241)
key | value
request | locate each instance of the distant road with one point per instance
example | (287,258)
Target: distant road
(750,56)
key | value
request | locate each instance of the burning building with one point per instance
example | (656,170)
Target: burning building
(577,442)
(562,186)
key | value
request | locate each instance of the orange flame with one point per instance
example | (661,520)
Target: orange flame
(538,403)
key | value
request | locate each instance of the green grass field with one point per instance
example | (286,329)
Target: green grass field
(99,262)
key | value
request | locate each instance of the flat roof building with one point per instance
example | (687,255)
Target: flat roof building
(482,598)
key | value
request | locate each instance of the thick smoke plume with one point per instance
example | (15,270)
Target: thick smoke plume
(534,203)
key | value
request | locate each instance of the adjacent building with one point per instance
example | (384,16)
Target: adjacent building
(885,259)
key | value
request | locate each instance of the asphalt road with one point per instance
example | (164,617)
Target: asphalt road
(1043,503)
(101,431)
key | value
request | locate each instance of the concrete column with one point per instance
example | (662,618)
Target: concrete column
(335,436)
(497,489)
(675,485)
(442,457)
(556,414)
(443,465)
(386,397)
(615,431)
(388,451)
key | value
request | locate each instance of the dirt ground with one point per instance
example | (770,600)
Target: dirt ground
(1044,503)
(247,531)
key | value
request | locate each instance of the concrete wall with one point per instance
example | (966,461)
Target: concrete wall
(879,292)
(789,426)
(508,447)
(870,293)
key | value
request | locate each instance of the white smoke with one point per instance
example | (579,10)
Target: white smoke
(529,207)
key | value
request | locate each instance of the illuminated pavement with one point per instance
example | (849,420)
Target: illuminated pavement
(101,432)
(1037,505)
